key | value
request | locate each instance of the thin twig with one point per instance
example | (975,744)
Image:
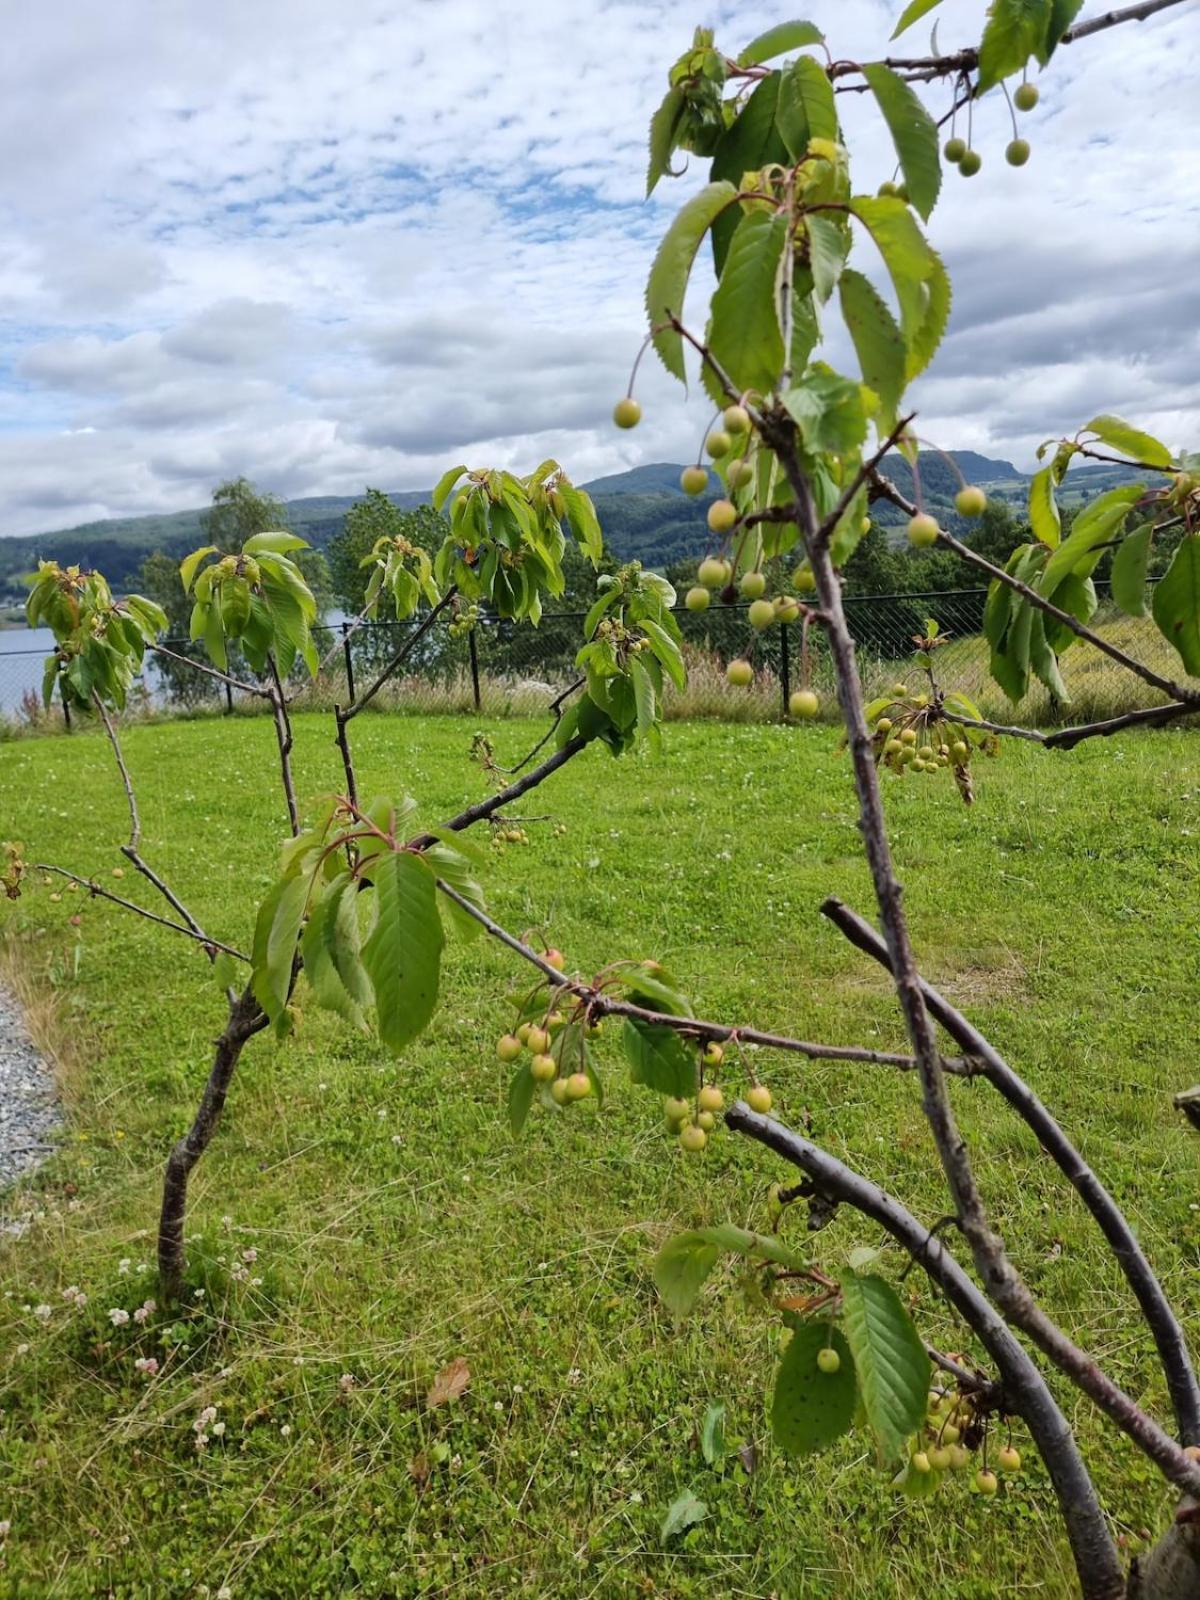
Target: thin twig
(862,476)
(283,737)
(1068,738)
(94,888)
(213,672)
(598,1003)
(409,644)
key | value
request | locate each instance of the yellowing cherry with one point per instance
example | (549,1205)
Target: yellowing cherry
(919,1461)
(922,530)
(970,501)
(710,1098)
(741,473)
(986,1482)
(697,599)
(718,444)
(538,1040)
(675,1109)
(579,1086)
(828,1360)
(1026,96)
(693,1138)
(736,419)
(559,1092)
(693,480)
(1009,1458)
(787,609)
(803,703)
(542,1069)
(761,614)
(722,515)
(752,585)
(713,1055)
(739,673)
(509,1047)
(555,958)
(627,413)
(706,1120)
(713,572)
(940,1457)
(803,579)
(759,1099)
(523,1032)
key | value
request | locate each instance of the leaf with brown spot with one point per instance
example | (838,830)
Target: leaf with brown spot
(449,1383)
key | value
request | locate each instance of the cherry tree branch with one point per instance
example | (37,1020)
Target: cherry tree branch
(1160,1318)
(1068,738)
(1095,1554)
(414,638)
(598,1003)
(503,797)
(212,672)
(887,490)
(283,738)
(93,888)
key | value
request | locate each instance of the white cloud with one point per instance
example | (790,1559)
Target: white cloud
(332,245)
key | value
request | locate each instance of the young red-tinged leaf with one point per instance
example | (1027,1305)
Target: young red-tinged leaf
(1129,441)
(811,1408)
(403,952)
(1176,603)
(889,1360)
(913,132)
(1129,571)
(450,1384)
(666,288)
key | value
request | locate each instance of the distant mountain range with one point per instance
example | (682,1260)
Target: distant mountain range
(643,512)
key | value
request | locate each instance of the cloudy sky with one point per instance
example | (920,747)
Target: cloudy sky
(331,245)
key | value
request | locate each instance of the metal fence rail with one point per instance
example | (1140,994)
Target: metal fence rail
(502,667)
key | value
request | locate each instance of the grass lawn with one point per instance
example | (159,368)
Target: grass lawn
(398,1226)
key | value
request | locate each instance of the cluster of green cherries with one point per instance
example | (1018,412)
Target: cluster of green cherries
(505,834)
(538,1038)
(692,1120)
(463,621)
(959,153)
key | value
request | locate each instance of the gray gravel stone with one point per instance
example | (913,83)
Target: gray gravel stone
(28,1102)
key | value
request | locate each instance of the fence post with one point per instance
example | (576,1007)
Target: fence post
(348,657)
(228,699)
(66,704)
(785,665)
(474,654)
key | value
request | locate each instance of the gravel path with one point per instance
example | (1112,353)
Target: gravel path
(28,1104)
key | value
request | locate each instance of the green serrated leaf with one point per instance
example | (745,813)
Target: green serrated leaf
(403,952)
(331,953)
(276,543)
(685,1261)
(806,108)
(913,132)
(744,333)
(225,970)
(889,1360)
(683,1513)
(187,567)
(658,1058)
(1094,525)
(913,12)
(1043,659)
(1129,441)
(712,1433)
(918,277)
(777,41)
(877,340)
(444,485)
(668,281)
(811,1408)
(752,141)
(1062,15)
(827,246)
(276,931)
(1044,516)
(664,125)
(1129,571)
(1014,31)
(1176,603)
(521,1090)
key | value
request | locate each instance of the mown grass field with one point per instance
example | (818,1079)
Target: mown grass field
(398,1226)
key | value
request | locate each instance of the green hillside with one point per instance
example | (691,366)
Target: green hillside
(643,512)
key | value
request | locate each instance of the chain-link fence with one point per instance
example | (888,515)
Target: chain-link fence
(501,668)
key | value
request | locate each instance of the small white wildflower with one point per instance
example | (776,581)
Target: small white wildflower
(286,1430)
(124,1265)
(197,1294)
(382,1112)
(256,1283)
(635,1496)
(117,1317)
(201,1441)
(146,1365)
(22,1349)
(218,1430)
(498,1405)
(518,1388)
(322,1087)
(250,1255)
(43,1313)
(227,1222)
(69,1294)
(346,1381)
(224,1592)
(297,1361)
(397,1138)
(5,1528)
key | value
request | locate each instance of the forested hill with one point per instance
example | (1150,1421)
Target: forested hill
(643,512)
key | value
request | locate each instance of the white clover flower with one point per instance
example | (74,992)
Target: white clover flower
(124,1265)
(250,1255)
(43,1313)
(117,1317)
(286,1430)
(218,1430)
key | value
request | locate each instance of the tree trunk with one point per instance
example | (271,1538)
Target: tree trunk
(246,1018)
(1172,1569)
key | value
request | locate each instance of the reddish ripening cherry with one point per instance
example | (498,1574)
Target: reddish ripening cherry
(627,413)
(693,480)
(555,958)
(922,530)
(722,515)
